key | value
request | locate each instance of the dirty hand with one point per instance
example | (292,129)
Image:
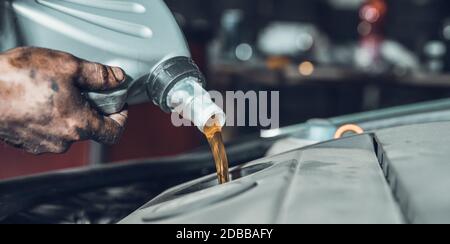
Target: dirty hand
(41,106)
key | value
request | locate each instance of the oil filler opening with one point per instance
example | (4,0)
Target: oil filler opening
(235,174)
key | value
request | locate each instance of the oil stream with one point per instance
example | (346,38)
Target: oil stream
(214,136)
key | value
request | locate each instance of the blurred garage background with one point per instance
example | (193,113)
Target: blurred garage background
(326,57)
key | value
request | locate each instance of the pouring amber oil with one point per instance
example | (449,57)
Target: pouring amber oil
(213,133)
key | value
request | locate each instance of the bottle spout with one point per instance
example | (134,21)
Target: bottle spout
(192,102)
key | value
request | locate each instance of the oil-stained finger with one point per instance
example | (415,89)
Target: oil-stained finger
(108,129)
(99,77)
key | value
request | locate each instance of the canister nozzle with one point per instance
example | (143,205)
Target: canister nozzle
(177,86)
(192,102)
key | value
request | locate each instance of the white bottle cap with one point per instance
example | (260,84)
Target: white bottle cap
(192,102)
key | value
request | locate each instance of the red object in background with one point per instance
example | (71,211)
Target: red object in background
(371,28)
(15,162)
(373,14)
(150,133)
